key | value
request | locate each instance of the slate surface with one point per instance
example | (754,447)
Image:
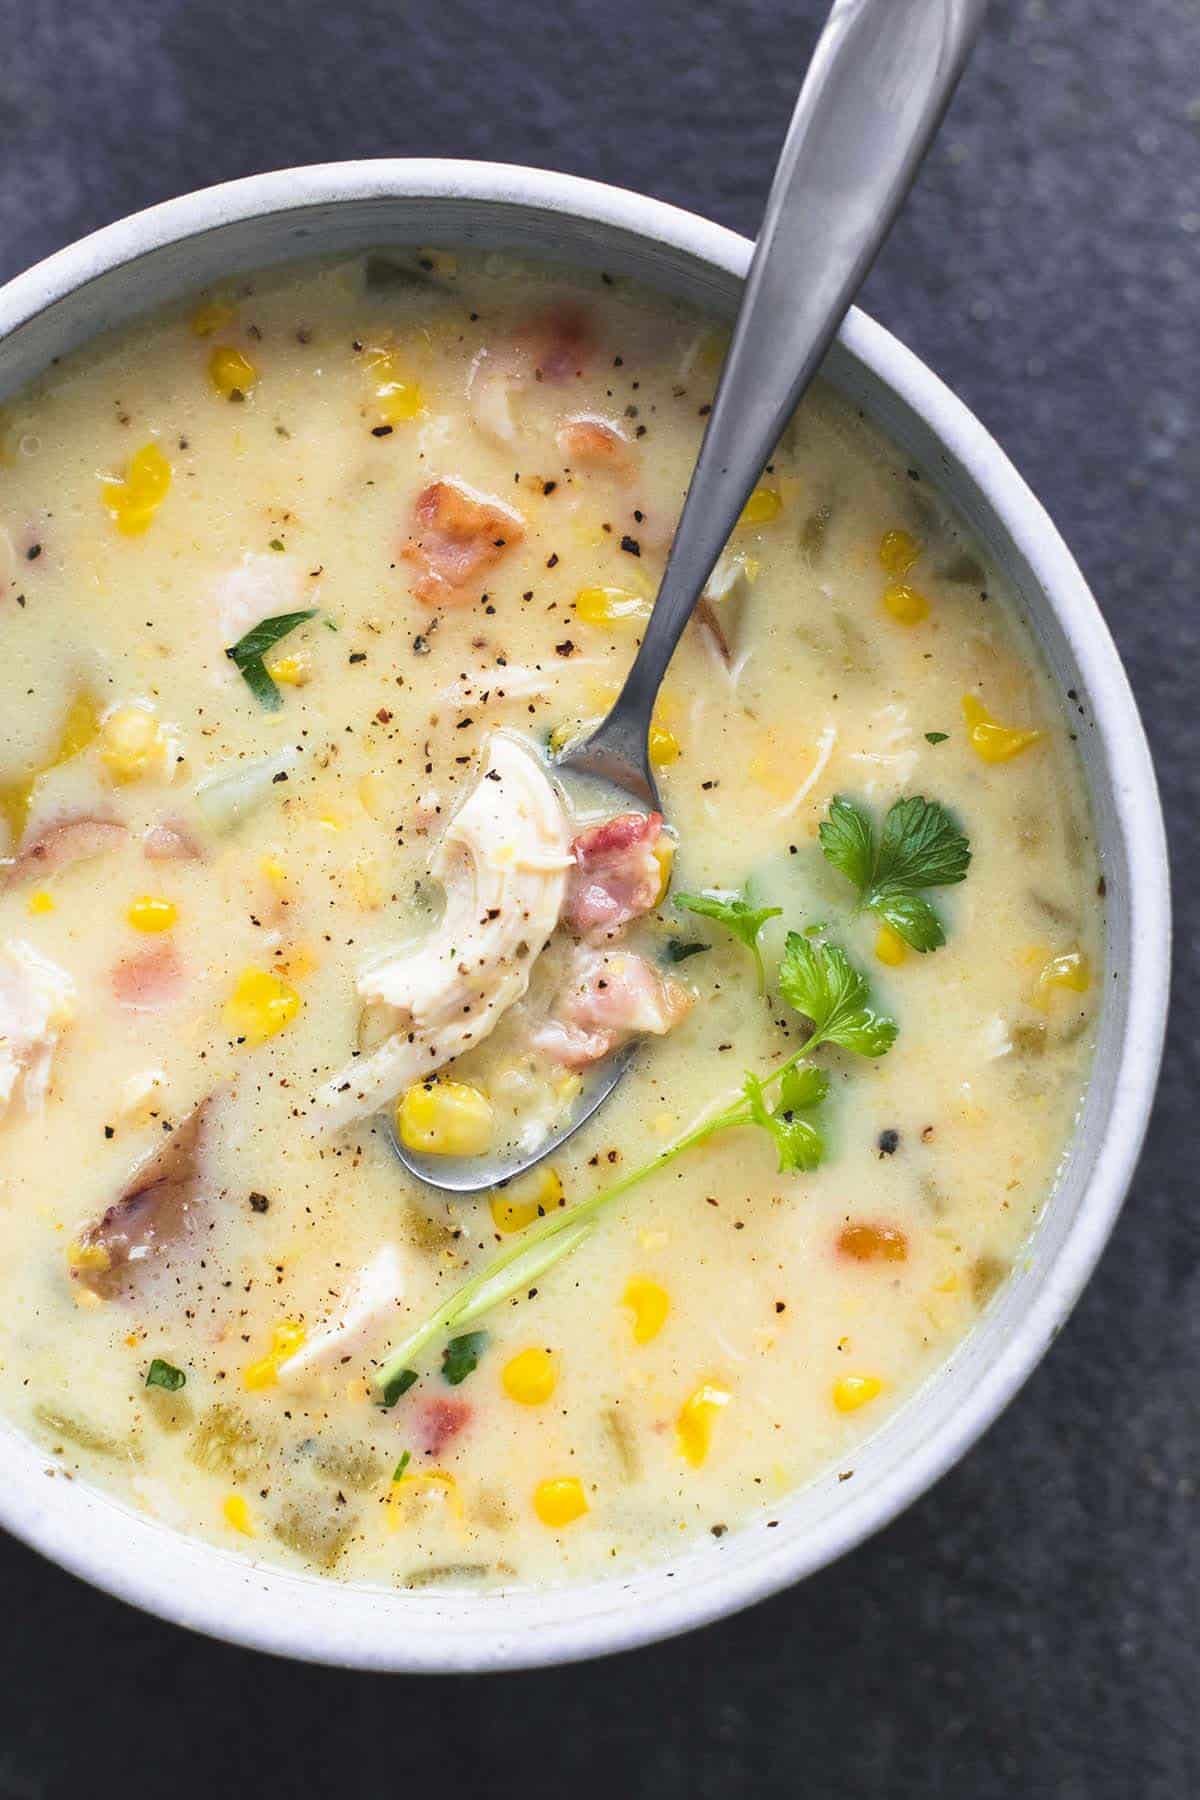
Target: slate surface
(1030,1627)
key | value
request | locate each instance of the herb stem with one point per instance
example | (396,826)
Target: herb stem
(539,1247)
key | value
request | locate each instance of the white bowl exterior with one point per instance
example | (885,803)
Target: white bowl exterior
(159,255)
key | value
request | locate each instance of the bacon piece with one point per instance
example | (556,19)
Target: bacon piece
(156,1209)
(457,534)
(170,841)
(149,981)
(611,996)
(586,440)
(617,877)
(560,341)
(58,846)
(437,1421)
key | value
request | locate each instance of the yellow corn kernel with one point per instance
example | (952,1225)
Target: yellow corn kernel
(398,400)
(212,316)
(428,1482)
(664,856)
(444,1118)
(649,1303)
(610,606)
(237,1514)
(150,913)
(763,505)
(852,1391)
(664,745)
(16,798)
(993,742)
(260,1005)
(1072,971)
(275,872)
(516,1206)
(530,1377)
(132,743)
(286,1338)
(231,373)
(88,1256)
(562,735)
(560,1501)
(697,1416)
(905,604)
(132,500)
(890,947)
(898,551)
(81,727)
(290,671)
(40,901)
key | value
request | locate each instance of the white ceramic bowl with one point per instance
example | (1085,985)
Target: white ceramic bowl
(157,256)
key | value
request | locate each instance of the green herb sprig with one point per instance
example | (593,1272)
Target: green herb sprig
(250,651)
(162,1374)
(818,981)
(735,912)
(919,847)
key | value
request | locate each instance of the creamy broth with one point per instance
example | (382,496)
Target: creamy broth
(727,1330)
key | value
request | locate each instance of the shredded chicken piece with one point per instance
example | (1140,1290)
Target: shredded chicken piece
(490,383)
(368,1304)
(156,1208)
(261,586)
(171,841)
(37,1000)
(503,861)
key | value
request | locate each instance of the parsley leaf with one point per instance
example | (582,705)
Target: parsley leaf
(936,737)
(798,1141)
(249,651)
(739,918)
(162,1374)
(820,981)
(919,847)
(461,1356)
(395,1386)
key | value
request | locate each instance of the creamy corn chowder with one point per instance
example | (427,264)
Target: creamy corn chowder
(301,588)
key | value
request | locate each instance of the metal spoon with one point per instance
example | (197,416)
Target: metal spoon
(879,81)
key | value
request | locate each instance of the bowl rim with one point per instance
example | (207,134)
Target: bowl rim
(43,1521)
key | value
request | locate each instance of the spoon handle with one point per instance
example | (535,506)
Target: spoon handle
(880,79)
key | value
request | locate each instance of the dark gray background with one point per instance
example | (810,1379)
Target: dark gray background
(1030,1628)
